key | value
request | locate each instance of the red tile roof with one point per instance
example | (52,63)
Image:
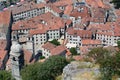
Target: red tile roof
(106,33)
(117,11)
(54,8)
(68,53)
(110,28)
(25,6)
(117,31)
(27,56)
(48,46)
(21,25)
(5,17)
(83,14)
(81,33)
(68,22)
(68,9)
(90,42)
(63,3)
(3,44)
(37,31)
(41,24)
(95,3)
(58,50)
(3,53)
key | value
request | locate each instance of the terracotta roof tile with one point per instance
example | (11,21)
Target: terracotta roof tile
(81,33)
(95,3)
(90,42)
(24,6)
(83,13)
(3,53)
(3,44)
(68,53)
(54,8)
(58,50)
(27,56)
(63,3)
(37,31)
(48,46)
(68,22)
(21,25)
(5,19)
(43,23)
(68,9)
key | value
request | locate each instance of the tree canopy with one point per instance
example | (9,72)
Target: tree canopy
(98,54)
(109,63)
(55,42)
(116,3)
(73,51)
(48,70)
(118,43)
(4,75)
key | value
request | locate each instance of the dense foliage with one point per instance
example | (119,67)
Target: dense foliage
(4,75)
(98,54)
(116,3)
(109,63)
(118,43)
(55,42)
(73,51)
(48,70)
(42,57)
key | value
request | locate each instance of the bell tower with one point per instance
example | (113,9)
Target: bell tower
(15,53)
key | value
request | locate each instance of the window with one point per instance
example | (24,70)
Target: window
(14,59)
(36,39)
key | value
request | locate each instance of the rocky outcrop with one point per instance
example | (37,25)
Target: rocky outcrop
(81,71)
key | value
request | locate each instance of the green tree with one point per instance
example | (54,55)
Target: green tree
(98,54)
(110,67)
(73,51)
(55,42)
(109,63)
(116,3)
(42,57)
(29,72)
(106,68)
(48,70)
(118,43)
(4,75)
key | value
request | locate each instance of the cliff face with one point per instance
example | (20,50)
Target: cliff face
(81,71)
